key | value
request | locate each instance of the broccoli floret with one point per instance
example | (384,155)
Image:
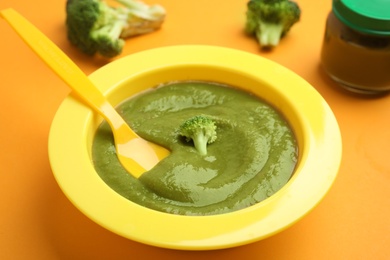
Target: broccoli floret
(270,20)
(96,27)
(201,130)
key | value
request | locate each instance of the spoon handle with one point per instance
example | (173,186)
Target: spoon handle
(63,66)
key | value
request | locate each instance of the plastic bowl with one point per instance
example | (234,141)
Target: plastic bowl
(312,120)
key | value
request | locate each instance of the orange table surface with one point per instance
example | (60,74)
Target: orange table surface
(38,222)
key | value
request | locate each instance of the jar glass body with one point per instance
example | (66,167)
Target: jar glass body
(358,61)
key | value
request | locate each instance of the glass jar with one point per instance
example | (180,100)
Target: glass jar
(356,47)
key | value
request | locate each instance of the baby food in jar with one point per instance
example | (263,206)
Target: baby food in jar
(356,47)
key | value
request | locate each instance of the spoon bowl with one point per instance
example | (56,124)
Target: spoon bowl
(135,154)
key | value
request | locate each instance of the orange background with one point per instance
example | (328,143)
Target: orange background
(38,222)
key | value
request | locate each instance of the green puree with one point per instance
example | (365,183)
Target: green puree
(254,155)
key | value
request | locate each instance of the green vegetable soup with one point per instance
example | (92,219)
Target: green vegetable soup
(253,156)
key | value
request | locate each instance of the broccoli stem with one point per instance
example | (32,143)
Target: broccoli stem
(200,143)
(134,4)
(112,30)
(142,10)
(269,34)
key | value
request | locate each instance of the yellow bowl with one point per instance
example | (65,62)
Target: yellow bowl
(312,120)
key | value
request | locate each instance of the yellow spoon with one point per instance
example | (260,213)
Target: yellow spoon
(135,154)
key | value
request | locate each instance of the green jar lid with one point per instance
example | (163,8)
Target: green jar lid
(367,16)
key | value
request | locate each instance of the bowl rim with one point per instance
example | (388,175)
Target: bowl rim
(69,157)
